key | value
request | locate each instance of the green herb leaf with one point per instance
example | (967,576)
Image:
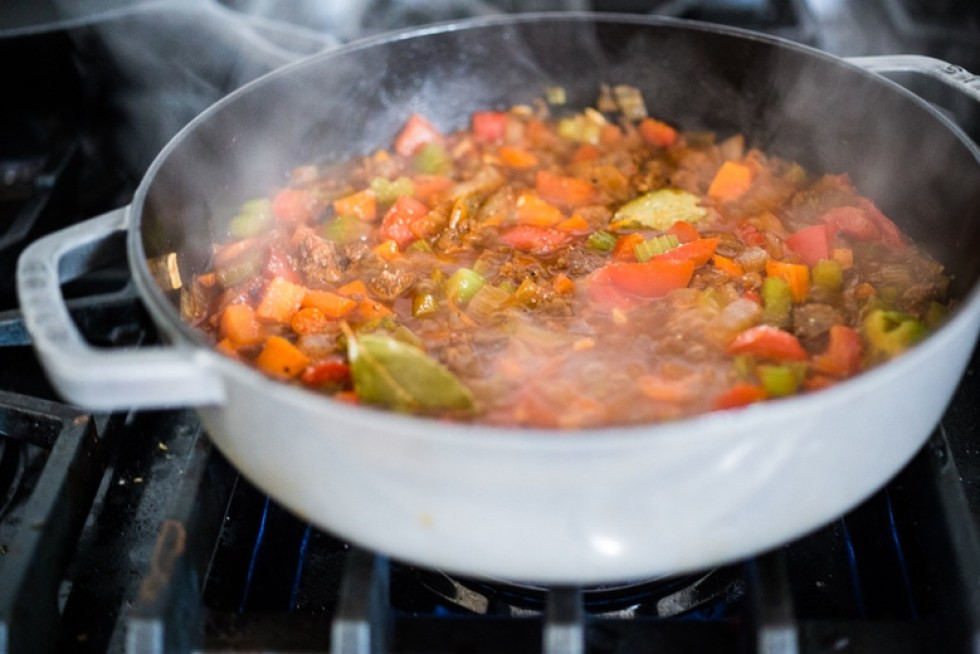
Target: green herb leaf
(396,375)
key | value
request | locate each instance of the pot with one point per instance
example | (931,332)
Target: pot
(597,505)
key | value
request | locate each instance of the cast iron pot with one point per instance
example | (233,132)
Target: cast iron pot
(591,506)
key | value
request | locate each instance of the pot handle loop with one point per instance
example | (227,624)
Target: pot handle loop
(949,74)
(101,379)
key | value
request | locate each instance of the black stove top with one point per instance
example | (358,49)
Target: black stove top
(129,533)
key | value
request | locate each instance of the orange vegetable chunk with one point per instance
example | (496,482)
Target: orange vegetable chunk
(239,325)
(515,157)
(281,359)
(731,181)
(562,190)
(280,300)
(331,304)
(363,205)
(796,275)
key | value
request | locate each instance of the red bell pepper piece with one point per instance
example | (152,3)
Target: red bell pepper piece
(697,252)
(657,133)
(535,239)
(651,279)
(739,395)
(842,358)
(331,370)
(416,133)
(811,243)
(604,293)
(489,126)
(768,342)
(624,250)
(398,221)
(684,231)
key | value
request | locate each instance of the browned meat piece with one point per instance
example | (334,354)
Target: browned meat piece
(811,321)
(321,262)
(579,261)
(519,268)
(358,251)
(388,283)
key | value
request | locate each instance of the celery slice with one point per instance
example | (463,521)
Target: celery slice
(777,301)
(892,332)
(779,381)
(601,240)
(654,246)
(828,275)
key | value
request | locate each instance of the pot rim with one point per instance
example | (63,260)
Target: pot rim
(767,413)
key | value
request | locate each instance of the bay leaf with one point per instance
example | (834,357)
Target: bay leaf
(659,210)
(399,376)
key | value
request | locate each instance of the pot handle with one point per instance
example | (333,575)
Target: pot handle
(101,379)
(949,74)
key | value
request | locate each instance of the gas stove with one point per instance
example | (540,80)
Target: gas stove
(130,533)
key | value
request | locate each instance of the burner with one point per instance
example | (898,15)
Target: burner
(709,592)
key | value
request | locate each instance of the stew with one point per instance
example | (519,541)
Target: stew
(560,268)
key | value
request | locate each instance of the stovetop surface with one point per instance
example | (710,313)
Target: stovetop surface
(130,533)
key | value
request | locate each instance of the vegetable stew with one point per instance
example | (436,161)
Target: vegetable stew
(558,268)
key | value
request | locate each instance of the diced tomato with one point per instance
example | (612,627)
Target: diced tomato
(563,191)
(657,133)
(684,231)
(416,133)
(650,279)
(811,243)
(739,395)
(293,205)
(697,252)
(489,126)
(624,250)
(842,358)
(397,223)
(329,371)
(890,234)
(277,264)
(535,239)
(852,221)
(768,342)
